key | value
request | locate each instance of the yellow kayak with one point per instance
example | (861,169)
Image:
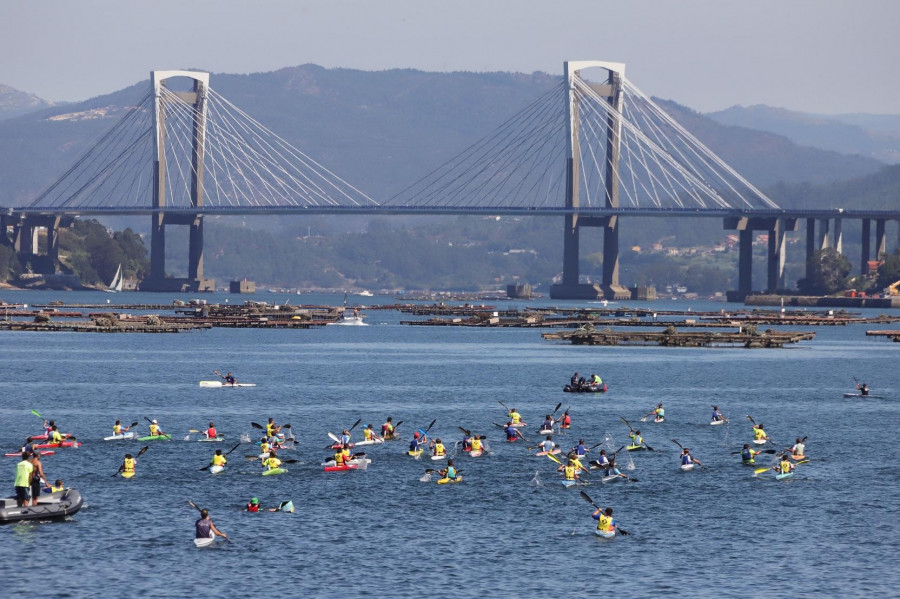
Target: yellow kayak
(444,481)
(127,474)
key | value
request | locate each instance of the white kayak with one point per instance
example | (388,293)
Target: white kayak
(716,422)
(205,542)
(212,440)
(217,384)
(545,432)
(861,395)
(216,469)
(611,478)
(760,441)
(359,463)
(372,442)
(686,467)
(120,437)
(439,457)
(606,534)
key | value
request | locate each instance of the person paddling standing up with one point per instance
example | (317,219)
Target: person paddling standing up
(37,478)
(204,527)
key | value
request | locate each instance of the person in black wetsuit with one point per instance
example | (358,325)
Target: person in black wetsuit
(863,389)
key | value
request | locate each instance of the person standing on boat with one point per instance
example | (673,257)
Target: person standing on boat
(204,527)
(387,429)
(748,454)
(687,458)
(605,520)
(23,479)
(717,415)
(37,478)
(863,389)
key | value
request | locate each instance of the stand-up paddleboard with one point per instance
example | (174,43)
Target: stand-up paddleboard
(205,542)
(217,384)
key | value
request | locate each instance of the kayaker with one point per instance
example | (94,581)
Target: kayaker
(798,451)
(605,520)
(636,438)
(229,379)
(345,437)
(514,416)
(211,431)
(569,470)
(369,433)
(547,445)
(345,453)
(863,389)
(566,420)
(48,427)
(548,423)
(602,461)
(449,472)
(783,467)
(687,458)
(512,433)
(23,479)
(748,454)
(274,442)
(155,429)
(476,443)
(218,459)
(467,442)
(717,415)
(612,469)
(128,464)
(414,444)
(437,448)
(54,436)
(759,433)
(272,428)
(387,429)
(272,462)
(580,450)
(659,412)
(264,447)
(253,505)
(118,429)
(204,527)
(38,480)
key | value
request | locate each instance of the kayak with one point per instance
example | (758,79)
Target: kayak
(120,437)
(372,442)
(443,456)
(606,534)
(611,478)
(716,422)
(785,475)
(274,471)
(545,431)
(586,389)
(659,420)
(63,444)
(211,440)
(570,483)
(18,454)
(356,463)
(45,436)
(686,467)
(552,452)
(635,447)
(444,481)
(205,541)
(128,474)
(216,469)
(217,384)
(476,454)
(513,439)
(519,424)
(51,506)
(341,468)
(845,395)
(155,438)
(760,441)
(415,453)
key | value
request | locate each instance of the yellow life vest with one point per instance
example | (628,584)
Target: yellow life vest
(272,463)
(569,472)
(604,523)
(439,449)
(367,434)
(264,447)
(785,467)
(476,444)
(515,417)
(219,460)
(339,458)
(154,430)
(117,428)
(129,465)
(758,433)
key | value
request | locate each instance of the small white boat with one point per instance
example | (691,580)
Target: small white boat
(687,467)
(350,318)
(365,293)
(216,469)
(716,422)
(205,542)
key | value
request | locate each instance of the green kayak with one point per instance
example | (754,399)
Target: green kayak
(155,438)
(272,471)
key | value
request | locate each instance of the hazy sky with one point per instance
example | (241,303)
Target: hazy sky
(825,56)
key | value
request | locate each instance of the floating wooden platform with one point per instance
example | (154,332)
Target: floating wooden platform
(894,335)
(669,338)
(91,327)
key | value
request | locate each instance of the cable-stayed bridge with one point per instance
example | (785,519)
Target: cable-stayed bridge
(590,152)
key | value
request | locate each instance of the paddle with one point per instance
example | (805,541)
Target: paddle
(140,453)
(430,425)
(38,414)
(466,432)
(677,443)
(357,422)
(751,419)
(628,424)
(587,498)
(255,425)
(504,405)
(194,505)
(556,409)
(207,467)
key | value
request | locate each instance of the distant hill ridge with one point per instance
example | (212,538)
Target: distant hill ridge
(383,130)
(15,103)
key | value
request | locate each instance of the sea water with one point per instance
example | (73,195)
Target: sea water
(509,530)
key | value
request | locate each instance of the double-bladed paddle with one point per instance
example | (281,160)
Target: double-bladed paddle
(207,467)
(587,498)
(140,453)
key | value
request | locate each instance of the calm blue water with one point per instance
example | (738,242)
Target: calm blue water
(510,530)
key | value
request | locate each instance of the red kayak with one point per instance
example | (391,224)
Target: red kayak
(339,446)
(16,454)
(63,444)
(341,468)
(44,436)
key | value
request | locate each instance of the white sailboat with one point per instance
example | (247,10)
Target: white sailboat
(116,284)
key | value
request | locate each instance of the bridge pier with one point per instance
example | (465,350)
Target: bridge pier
(777,229)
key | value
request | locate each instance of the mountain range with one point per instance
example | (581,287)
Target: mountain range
(383,130)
